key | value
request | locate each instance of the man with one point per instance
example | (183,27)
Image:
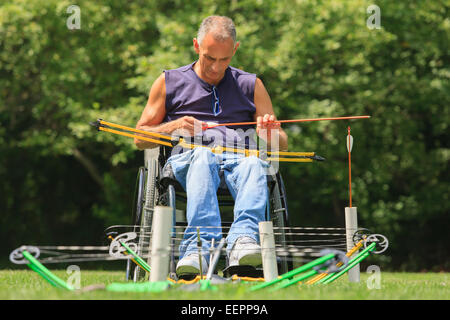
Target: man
(182,101)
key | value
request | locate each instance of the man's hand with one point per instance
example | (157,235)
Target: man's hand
(266,125)
(187,126)
(267,121)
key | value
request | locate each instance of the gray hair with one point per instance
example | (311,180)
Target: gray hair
(222,28)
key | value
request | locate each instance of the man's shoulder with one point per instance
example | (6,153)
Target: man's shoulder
(244,79)
(240,72)
(181,69)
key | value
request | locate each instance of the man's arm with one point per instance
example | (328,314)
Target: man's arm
(265,117)
(154,113)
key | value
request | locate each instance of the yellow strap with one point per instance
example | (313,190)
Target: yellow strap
(135,136)
(147,133)
(256,153)
(183,281)
(249,279)
(289,159)
(217,149)
(290,153)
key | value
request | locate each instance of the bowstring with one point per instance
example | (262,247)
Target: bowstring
(287,248)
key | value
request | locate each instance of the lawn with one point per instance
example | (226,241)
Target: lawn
(25,285)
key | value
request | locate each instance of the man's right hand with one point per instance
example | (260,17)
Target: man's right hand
(187,126)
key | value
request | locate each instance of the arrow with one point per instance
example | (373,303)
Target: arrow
(349,149)
(209,125)
(155,137)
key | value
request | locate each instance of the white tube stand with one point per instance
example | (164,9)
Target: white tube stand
(269,258)
(351,226)
(160,255)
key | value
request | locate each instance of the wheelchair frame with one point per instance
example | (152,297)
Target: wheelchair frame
(149,192)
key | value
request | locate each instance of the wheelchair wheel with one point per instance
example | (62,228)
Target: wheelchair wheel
(144,218)
(138,202)
(279,217)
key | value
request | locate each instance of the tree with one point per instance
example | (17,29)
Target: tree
(316,58)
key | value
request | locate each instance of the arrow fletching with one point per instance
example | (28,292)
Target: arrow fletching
(349,143)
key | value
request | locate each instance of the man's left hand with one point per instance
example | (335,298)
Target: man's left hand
(267,123)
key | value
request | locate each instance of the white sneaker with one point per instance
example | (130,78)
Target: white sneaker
(245,251)
(189,265)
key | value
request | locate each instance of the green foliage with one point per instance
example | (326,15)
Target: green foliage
(60,178)
(26,284)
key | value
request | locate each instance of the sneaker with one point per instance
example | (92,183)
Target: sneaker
(189,265)
(245,251)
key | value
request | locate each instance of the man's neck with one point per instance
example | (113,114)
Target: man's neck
(198,71)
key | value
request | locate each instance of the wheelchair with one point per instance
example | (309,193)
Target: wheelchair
(157,187)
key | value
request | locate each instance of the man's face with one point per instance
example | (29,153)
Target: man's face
(214,57)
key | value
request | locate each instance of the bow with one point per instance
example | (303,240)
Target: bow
(171,141)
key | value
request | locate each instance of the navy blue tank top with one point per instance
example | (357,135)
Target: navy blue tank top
(188,95)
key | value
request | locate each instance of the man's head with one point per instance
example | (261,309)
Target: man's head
(216,45)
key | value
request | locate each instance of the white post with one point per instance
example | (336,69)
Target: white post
(151,154)
(161,233)
(269,258)
(351,226)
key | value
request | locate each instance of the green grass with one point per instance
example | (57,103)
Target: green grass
(25,284)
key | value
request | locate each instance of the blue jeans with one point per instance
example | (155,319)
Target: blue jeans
(198,172)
